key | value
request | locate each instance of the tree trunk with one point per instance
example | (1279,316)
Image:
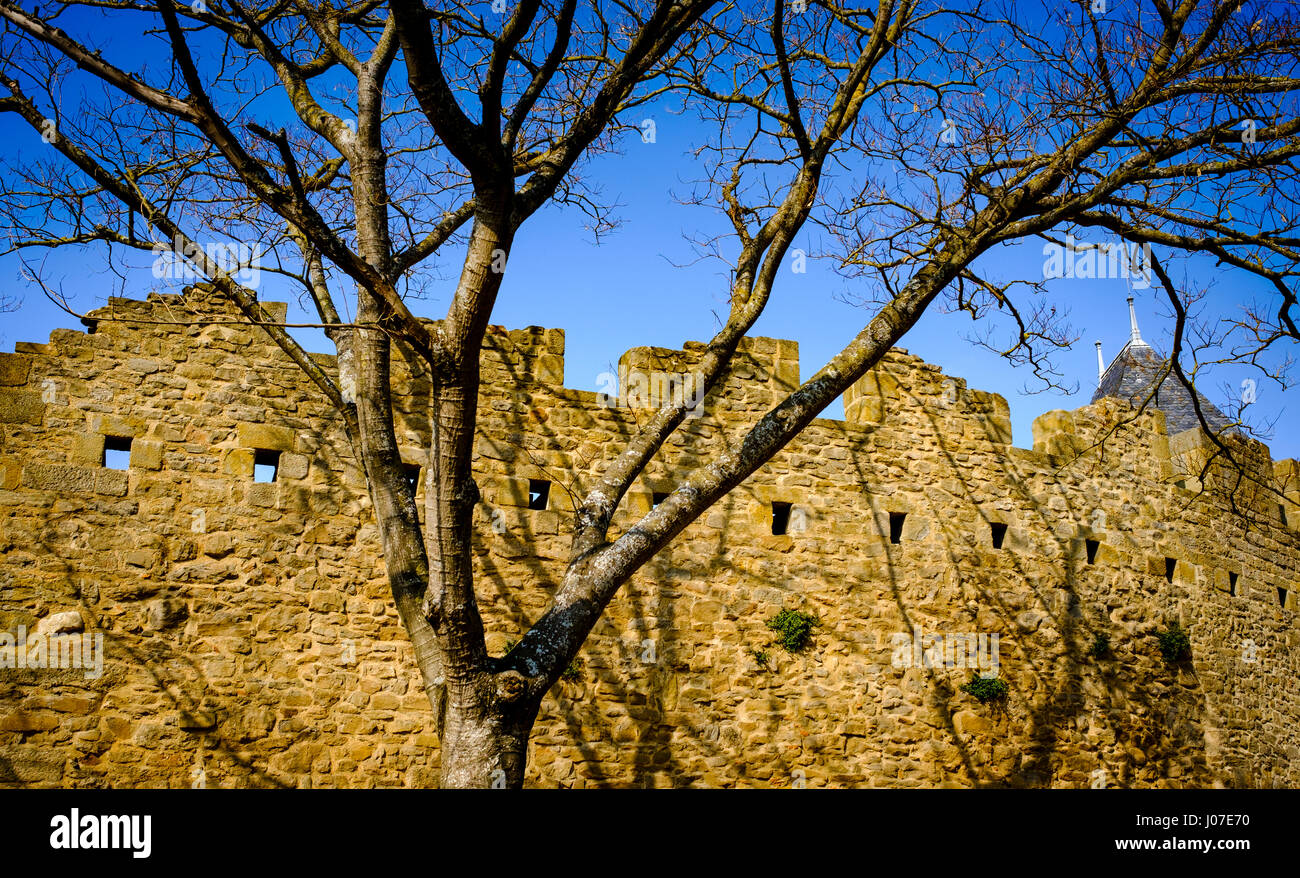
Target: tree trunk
(484,748)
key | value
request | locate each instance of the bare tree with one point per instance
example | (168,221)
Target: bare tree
(920,137)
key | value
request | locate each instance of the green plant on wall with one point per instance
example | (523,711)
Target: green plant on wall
(1175,645)
(762,658)
(573,672)
(986,689)
(1100,647)
(795,629)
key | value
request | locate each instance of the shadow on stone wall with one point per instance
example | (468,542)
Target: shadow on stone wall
(163,709)
(1154,723)
(170,725)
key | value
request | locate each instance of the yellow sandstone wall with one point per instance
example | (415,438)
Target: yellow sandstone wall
(250,640)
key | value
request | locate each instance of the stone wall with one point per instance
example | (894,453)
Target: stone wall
(250,641)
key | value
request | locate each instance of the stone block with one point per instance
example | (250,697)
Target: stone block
(786,375)
(88,449)
(142,558)
(495,448)
(30,765)
(997,427)
(265,436)
(166,613)
(196,720)
(61,623)
(238,462)
(275,311)
(293,466)
(263,494)
(11,474)
(118,425)
(114,482)
(550,369)
(26,721)
(140,364)
(14,369)
(915,528)
(216,545)
(146,455)
(1108,555)
(297,498)
(21,407)
(52,477)
(510,491)
(555,341)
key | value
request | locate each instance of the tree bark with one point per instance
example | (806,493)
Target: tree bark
(488,722)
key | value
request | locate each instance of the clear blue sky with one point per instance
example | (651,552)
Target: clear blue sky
(638,287)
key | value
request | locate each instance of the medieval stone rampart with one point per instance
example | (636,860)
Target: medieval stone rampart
(249,638)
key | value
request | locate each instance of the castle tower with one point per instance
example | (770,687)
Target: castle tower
(1138,369)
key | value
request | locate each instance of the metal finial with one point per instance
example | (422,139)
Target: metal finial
(1136,337)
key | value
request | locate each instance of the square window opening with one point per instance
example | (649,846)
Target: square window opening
(1091,546)
(117,452)
(1171,564)
(1232,583)
(896,527)
(539,491)
(999,531)
(266,465)
(780,518)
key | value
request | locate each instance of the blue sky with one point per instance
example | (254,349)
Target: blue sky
(643,285)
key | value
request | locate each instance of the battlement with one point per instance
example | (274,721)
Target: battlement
(201,334)
(232,562)
(762,372)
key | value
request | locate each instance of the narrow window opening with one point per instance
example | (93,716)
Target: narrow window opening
(896,527)
(1281,513)
(538,492)
(117,452)
(780,518)
(412,471)
(1091,547)
(1170,564)
(1281,596)
(266,465)
(1232,583)
(999,533)
(657,498)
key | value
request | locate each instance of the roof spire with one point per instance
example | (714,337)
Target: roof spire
(1136,337)
(1101,364)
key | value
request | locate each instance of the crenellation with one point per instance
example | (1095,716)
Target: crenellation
(248,624)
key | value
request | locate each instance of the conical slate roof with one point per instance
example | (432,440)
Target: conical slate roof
(1137,368)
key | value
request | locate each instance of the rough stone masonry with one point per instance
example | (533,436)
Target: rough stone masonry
(249,638)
